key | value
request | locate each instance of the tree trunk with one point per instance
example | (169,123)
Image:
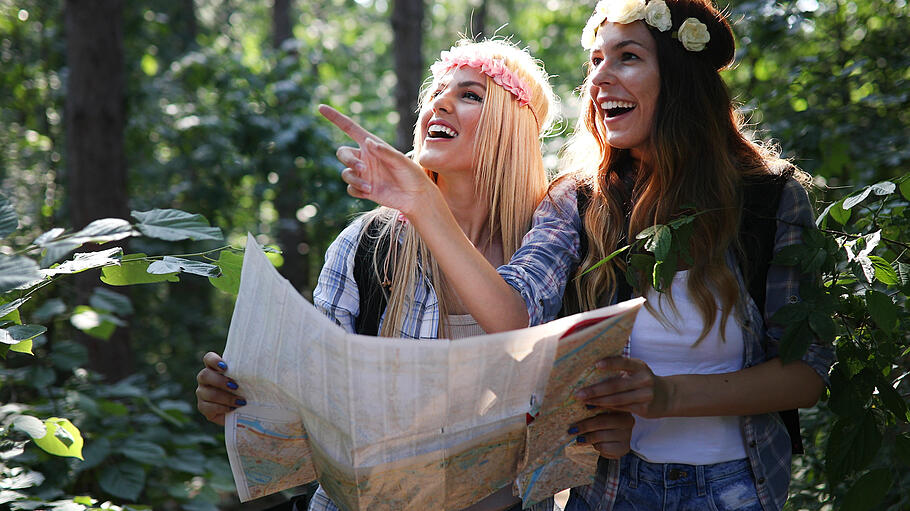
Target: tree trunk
(281,22)
(293,237)
(479,20)
(95,160)
(407,29)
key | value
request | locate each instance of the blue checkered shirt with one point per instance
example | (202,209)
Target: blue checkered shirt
(550,250)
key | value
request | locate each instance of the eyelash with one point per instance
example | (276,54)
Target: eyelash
(467,94)
(595,61)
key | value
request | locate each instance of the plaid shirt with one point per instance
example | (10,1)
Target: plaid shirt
(337,297)
(549,252)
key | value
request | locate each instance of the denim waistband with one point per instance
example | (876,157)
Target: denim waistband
(678,474)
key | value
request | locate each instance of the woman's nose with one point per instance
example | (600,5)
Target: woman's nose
(443,103)
(602,75)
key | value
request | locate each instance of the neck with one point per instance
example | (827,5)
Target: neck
(471,214)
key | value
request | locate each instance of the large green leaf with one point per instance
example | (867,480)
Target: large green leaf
(133,269)
(231,264)
(171,264)
(17,271)
(852,444)
(88,260)
(144,452)
(7,308)
(795,341)
(869,491)
(62,438)
(125,480)
(9,221)
(99,231)
(18,333)
(32,426)
(175,225)
(659,243)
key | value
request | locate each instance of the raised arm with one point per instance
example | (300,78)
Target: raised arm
(378,172)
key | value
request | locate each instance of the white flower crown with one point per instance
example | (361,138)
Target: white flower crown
(692,33)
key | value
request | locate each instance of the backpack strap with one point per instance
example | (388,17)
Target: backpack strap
(761,199)
(372,292)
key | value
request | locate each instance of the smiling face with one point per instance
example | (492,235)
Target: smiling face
(448,121)
(625,84)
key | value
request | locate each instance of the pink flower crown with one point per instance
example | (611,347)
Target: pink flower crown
(492,67)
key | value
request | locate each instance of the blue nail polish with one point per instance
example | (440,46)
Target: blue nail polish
(222,366)
(590,407)
(240,402)
(573,430)
(580,439)
(231,385)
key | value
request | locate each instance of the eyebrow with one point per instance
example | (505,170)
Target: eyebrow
(471,83)
(628,42)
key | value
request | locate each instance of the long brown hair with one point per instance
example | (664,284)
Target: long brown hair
(699,157)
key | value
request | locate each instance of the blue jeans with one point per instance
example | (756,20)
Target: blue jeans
(645,486)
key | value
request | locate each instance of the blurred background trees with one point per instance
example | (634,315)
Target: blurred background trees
(209,106)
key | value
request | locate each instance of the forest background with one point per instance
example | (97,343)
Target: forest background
(209,107)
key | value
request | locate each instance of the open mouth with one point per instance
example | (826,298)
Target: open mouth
(440,131)
(617,108)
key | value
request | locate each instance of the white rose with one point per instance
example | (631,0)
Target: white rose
(693,35)
(657,14)
(625,11)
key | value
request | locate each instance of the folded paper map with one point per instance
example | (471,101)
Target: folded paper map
(392,424)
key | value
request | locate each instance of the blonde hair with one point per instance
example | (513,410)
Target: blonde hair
(509,179)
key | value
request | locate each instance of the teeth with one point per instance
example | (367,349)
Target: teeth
(438,128)
(608,105)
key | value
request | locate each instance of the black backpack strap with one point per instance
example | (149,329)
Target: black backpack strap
(372,292)
(761,199)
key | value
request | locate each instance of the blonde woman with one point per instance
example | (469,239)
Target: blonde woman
(477,145)
(658,138)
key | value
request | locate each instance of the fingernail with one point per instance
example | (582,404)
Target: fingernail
(240,402)
(573,430)
(222,366)
(590,407)
(581,395)
(231,385)
(580,439)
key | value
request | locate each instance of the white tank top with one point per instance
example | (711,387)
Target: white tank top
(672,350)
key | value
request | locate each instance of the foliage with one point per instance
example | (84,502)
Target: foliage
(132,430)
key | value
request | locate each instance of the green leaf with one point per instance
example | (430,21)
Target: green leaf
(133,270)
(595,265)
(795,341)
(869,491)
(231,264)
(647,233)
(144,452)
(853,200)
(62,438)
(905,188)
(791,313)
(823,326)
(23,347)
(790,255)
(49,309)
(100,325)
(884,272)
(99,231)
(94,452)
(17,271)
(7,309)
(124,480)
(838,213)
(867,267)
(32,426)
(111,301)
(882,309)
(883,188)
(171,264)
(175,225)
(9,221)
(88,260)
(659,243)
(852,444)
(48,236)
(18,333)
